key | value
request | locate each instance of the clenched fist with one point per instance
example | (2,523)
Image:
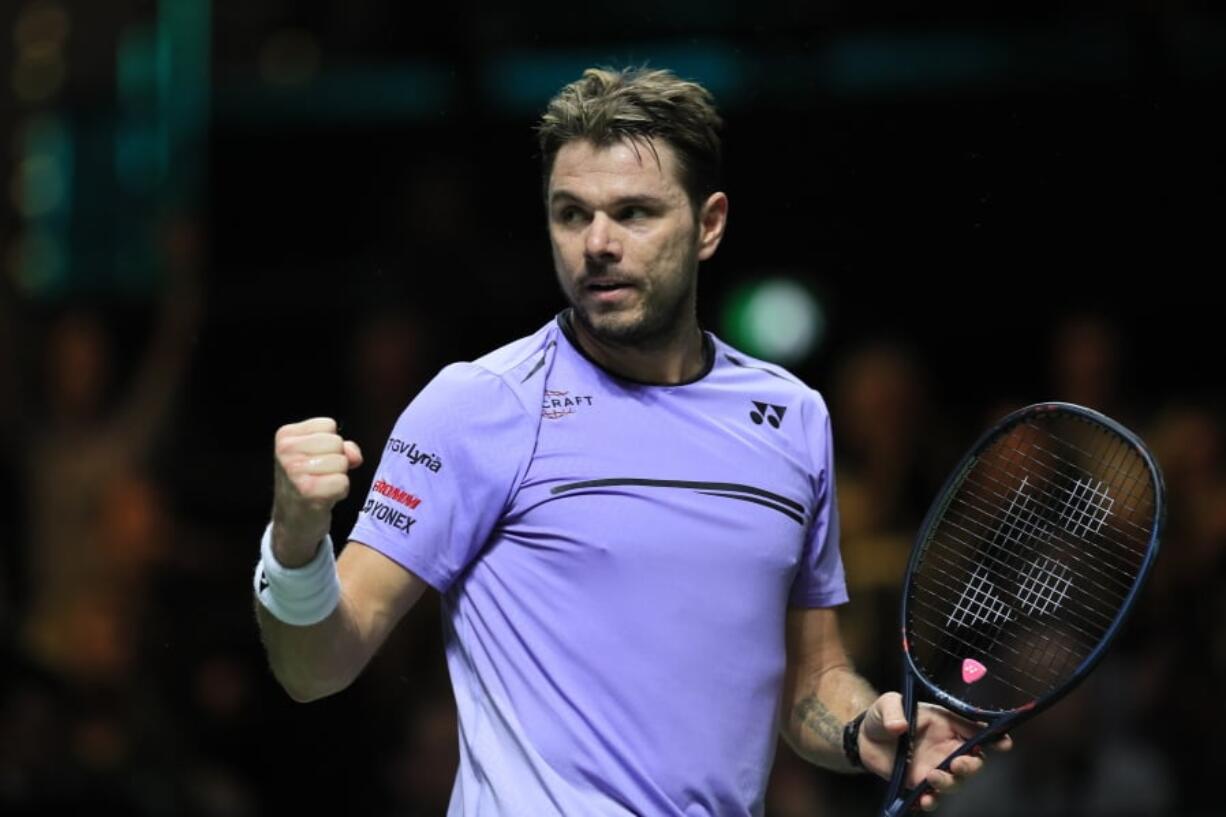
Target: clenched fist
(312,475)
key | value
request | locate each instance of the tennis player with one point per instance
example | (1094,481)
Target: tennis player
(631,524)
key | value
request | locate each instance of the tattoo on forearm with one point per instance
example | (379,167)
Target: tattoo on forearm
(812,713)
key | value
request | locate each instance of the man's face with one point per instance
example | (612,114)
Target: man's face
(626,244)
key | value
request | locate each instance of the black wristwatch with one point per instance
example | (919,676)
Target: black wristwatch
(851,740)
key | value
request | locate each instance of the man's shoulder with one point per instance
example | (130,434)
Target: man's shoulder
(766,376)
(510,368)
(518,360)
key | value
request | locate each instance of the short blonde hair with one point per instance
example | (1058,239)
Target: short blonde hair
(606,105)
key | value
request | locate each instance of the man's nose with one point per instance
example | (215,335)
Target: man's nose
(602,243)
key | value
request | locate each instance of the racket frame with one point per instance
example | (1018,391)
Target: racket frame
(898,800)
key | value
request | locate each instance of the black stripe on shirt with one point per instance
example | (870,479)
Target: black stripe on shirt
(729,490)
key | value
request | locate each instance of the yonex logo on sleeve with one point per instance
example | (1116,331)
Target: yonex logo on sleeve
(388,515)
(769,411)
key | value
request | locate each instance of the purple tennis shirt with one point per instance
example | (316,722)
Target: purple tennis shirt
(616,561)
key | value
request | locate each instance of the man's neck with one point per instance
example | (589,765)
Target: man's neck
(679,358)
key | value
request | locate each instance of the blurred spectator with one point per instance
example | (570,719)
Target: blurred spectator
(1177,651)
(888,459)
(1086,359)
(96,521)
(97,527)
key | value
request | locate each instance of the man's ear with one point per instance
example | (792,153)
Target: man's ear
(712,219)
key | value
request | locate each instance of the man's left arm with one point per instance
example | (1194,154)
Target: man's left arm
(822,692)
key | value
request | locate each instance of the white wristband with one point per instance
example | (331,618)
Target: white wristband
(297,595)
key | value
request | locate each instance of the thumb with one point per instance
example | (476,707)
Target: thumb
(885,717)
(353,454)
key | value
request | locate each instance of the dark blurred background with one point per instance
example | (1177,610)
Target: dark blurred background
(218,217)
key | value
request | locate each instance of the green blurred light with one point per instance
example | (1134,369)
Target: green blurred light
(41,262)
(777,319)
(142,151)
(162,78)
(45,168)
(42,186)
(525,81)
(877,62)
(184,35)
(140,156)
(136,67)
(371,93)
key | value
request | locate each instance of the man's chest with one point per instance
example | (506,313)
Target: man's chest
(666,480)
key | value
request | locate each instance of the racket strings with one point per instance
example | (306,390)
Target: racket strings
(1091,630)
(1016,548)
(1106,577)
(1107,573)
(1041,574)
(1019,650)
(1038,467)
(1034,555)
(1005,680)
(1021,666)
(1021,657)
(1121,480)
(1121,475)
(1111,551)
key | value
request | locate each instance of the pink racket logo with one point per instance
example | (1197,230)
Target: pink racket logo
(972,670)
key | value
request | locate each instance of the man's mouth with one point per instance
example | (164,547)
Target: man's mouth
(609,292)
(606,284)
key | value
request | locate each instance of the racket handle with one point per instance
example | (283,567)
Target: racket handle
(903,804)
(909,798)
(902,756)
(897,808)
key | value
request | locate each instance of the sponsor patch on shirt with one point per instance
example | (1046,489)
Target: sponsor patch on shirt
(396,494)
(413,454)
(559,404)
(388,515)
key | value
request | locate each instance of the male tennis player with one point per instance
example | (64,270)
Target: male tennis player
(632,524)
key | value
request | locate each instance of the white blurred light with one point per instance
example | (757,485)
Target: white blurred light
(784,320)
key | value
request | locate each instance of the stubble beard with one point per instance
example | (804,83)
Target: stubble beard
(662,316)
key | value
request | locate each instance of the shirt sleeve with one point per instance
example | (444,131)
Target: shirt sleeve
(819,582)
(449,469)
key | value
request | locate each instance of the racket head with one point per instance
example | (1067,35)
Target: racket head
(1029,561)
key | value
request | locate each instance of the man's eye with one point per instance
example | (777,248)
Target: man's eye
(570,215)
(634,213)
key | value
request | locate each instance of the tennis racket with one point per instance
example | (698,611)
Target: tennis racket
(1023,571)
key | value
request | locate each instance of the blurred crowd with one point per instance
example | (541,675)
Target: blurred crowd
(133,678)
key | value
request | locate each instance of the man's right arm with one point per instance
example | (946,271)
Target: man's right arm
(318,660)
(311,475)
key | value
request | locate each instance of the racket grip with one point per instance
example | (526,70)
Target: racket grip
(896,809)
(893,804)
(904,804)
(909,798)
(899,800)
